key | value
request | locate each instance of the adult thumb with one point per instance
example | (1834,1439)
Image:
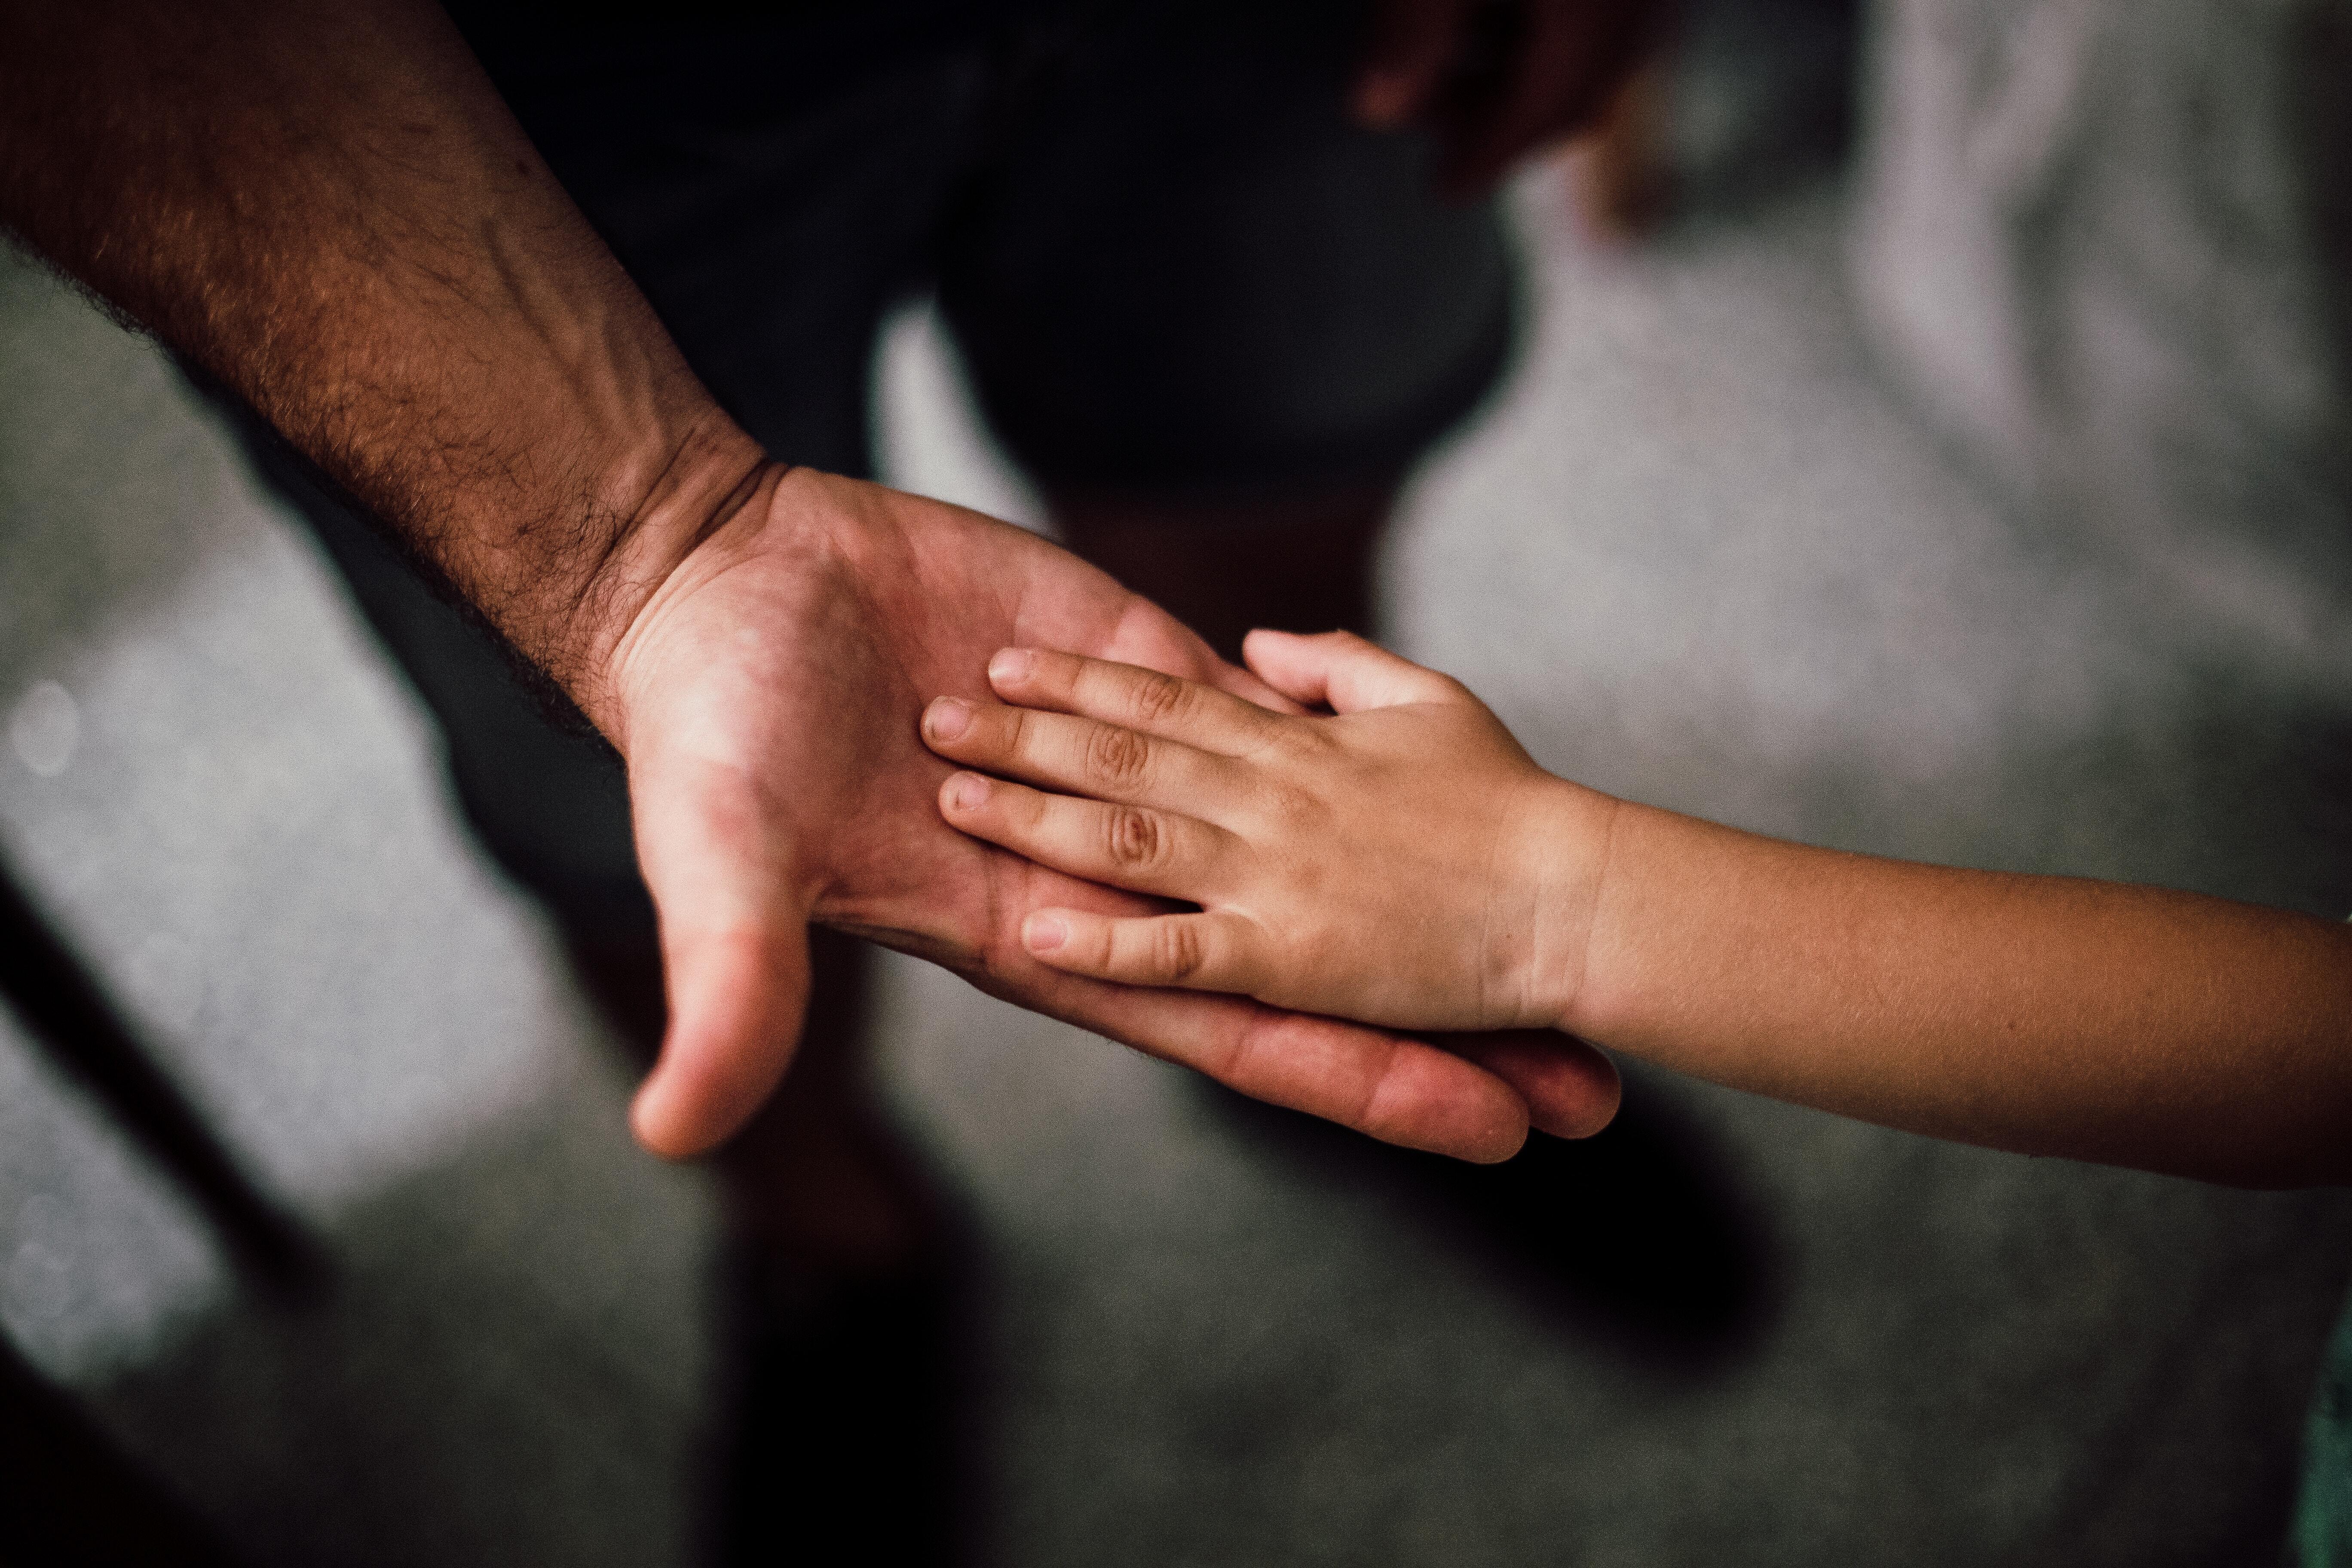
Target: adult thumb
(735,957)
(737,999)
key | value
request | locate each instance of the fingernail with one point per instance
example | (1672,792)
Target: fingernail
(1044,933)
(1011,664)
(950,717)
(966,791)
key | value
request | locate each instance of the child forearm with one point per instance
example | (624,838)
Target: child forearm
(1404,862)
(2041,1015)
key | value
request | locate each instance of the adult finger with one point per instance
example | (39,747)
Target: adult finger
(1081,755)
(968,909)
(734,938)
(1399,1090)
(1564,58)
(1411,50)
(1150,636)
(1130,846)
(1344,672)
(1131,697)
(1572,1087)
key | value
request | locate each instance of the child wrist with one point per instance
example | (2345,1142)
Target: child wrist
(1567,857)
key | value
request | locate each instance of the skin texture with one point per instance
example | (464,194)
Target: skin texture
(769,696)
(329,209)
(1405,817)
(1401,860)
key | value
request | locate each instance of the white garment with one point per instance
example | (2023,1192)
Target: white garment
(2102,244)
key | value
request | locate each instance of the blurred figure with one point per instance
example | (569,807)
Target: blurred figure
(1201,306)
(1213,298)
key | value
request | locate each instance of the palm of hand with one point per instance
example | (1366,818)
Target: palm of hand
(795,664)
(771,690)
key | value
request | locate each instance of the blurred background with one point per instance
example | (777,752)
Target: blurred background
(1928,437)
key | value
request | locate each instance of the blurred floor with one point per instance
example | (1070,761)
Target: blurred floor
(228,800)
(1696,554)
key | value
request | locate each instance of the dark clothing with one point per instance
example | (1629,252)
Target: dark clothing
(1170,262)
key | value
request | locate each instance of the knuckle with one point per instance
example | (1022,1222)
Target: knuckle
(1292,811)
(1177,952)
(1116,758)
(1157,697)
(1018,737)
(1301,744)
(1137,838)
(1027,809)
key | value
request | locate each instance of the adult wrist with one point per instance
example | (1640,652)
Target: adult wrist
(666,502)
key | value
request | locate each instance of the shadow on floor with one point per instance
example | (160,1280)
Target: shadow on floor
(1637,1238)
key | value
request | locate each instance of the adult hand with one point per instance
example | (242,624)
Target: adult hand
(767,697)
(1495,79)
(329,209)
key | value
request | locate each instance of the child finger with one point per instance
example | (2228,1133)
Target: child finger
(1206,951)
(1082,756)
(1136,699)
(1342,671)
(1130,846)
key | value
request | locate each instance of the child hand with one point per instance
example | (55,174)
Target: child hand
(1402,861)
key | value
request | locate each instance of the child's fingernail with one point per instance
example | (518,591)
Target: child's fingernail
(966,791)
(1044,933)
(1011,664)
(950,717)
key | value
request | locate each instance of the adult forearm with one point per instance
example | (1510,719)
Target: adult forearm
(2047,1016)
(329,209)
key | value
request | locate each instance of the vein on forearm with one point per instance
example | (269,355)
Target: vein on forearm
(329,209)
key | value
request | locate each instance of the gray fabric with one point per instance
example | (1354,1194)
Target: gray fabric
(2101,243)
